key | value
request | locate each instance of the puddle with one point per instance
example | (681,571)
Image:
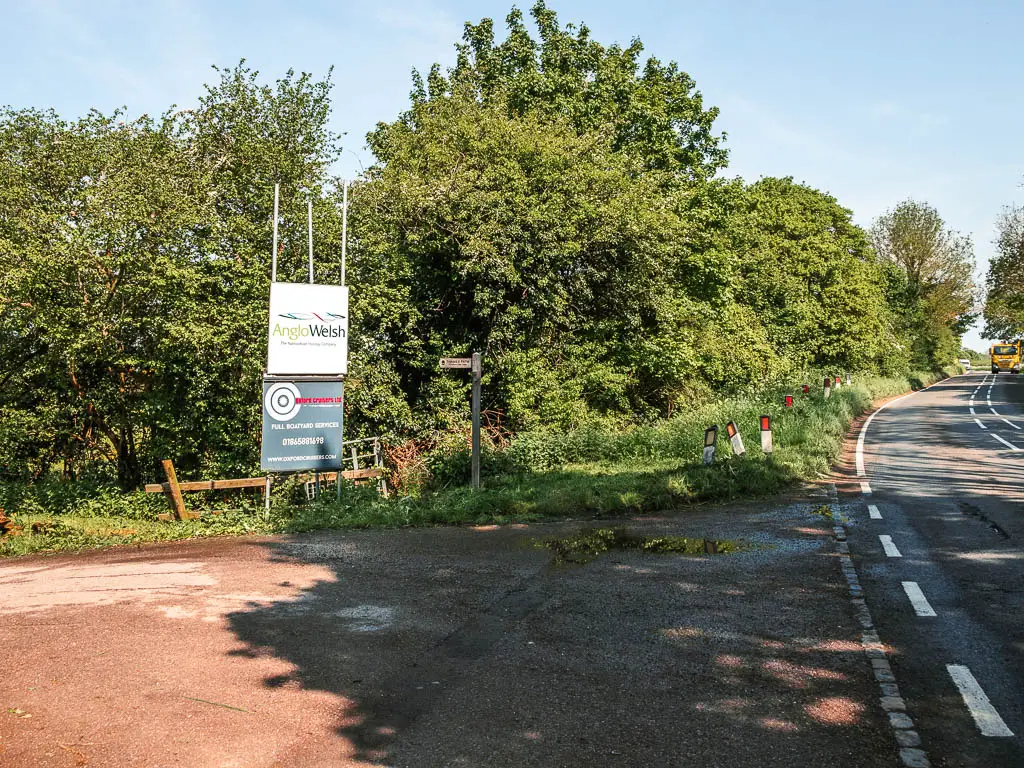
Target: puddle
(589,544)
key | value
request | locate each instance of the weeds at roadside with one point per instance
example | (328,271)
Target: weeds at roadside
(824,511)
(589,544)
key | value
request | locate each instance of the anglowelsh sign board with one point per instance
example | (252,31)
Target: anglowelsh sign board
(308,332)
(301,425)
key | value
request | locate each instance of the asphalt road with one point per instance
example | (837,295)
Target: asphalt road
(443,647)
(947,484)
(470,647)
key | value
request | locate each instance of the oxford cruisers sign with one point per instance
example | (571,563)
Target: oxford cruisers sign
(308,332)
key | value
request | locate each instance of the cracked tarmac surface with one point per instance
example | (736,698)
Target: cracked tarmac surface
(443,647)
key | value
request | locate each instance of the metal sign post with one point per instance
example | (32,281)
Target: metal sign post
(476,421)
(273,256)
(307,359)
(473,364)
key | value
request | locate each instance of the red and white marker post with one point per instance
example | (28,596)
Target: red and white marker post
(766,434)
(735,439)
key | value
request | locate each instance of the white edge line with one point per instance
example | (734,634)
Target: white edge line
(985,715)
(1007,443)
(917,599)
(890,548)
(867,423)
(873,512)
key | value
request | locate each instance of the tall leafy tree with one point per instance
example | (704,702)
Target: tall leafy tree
(1004,303)
(938,266)
(96,267)
(134,274)
(518,234)
(649,109)
(811,277)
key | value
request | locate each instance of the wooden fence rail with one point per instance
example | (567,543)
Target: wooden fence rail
(174,489)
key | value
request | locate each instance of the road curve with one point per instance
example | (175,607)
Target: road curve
(938,538)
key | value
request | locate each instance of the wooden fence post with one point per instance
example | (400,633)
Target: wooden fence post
(177,502)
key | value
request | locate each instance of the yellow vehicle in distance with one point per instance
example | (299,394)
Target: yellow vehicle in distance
(1005,357)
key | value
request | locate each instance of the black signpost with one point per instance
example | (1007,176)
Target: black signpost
(474,364)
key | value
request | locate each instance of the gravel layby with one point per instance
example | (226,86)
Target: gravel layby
(445,647)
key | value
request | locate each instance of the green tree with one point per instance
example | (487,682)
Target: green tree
(1004,302)
(134,275)
(96,213)
(651,110)
(517,234)
(938,264)
(809,274)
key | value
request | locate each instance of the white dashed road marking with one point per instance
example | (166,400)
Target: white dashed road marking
(978,422)
(972,412)
(873,512)
(917,599)
(985,716)
(888,546)
(865,488)
(1015,426)
(1007,443)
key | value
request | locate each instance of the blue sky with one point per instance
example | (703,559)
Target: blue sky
(872,101)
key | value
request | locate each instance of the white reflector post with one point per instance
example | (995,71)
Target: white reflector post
(849,380)
(766,434)
(735,439)
(710,442)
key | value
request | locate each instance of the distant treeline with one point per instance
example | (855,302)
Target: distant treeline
(561,205)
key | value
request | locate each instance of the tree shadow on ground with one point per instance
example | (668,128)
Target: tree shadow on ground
(465,646)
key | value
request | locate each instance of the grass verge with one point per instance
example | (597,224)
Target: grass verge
(590,473)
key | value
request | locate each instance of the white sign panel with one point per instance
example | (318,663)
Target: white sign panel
(308,331)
